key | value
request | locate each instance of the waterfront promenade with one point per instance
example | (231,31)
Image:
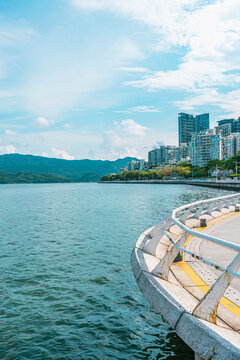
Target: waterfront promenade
(188,269)
(217,184)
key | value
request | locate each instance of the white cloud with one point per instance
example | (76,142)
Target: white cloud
(139,109)
(125,50)
(129,139)
(59,154)
(133,69)
(208,31)
(12,35)
(7,149)
(15,34)
(130,127)
(72,143)
(123,138)
(228,102)
(144,109)
(42,122)
(116,146)
(66,126)
(10,132)
(151,12)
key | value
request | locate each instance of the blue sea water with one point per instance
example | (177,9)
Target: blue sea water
(66,285)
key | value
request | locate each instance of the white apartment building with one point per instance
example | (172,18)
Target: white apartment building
(231,145)
(237,143)
(205,146)
(135,165)
(143,164)
(184,152)
(169,154)
(225,129)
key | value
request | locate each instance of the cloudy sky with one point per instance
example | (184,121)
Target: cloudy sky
(104,79)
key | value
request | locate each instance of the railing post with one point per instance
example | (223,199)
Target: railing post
(168,222)
(184,217)
(227,204)
(208,305)
(162,269)
(198,212)
(210,209)
(151,246)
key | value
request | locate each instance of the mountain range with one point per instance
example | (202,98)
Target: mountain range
(28,168)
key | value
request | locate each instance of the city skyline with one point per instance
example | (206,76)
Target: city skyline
(106,79)
(198,143)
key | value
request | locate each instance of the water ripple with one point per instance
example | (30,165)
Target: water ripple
(67,289)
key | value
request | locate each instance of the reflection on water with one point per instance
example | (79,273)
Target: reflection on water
(67,290)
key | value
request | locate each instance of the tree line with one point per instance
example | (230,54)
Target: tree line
(182,170)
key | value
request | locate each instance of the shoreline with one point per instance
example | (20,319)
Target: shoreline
(218,184)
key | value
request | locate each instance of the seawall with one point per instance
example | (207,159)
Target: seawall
(235,186)
(189,275)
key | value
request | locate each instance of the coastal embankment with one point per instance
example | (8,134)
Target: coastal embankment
(187,267)
(225,185)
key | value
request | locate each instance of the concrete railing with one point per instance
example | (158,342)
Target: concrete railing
(184,218)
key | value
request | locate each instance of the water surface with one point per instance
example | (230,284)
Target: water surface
(66,285)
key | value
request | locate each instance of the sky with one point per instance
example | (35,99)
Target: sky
(105,79)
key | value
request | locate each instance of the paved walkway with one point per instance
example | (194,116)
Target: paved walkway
(213,334)
(227,229)
(197,277)
(189,279)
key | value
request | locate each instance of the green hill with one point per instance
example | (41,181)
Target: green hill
(29,178)
(70,170)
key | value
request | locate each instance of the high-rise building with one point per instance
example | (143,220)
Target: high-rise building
(185,128)
(227,121)
(231,145)
(157,156)
(184,152)
(162,155)
(176,154)
(236,125)
(201,122)
(205,146)
(188,124)
(172,154)
(166,154)
(151,158)
(237,143)
(224,129)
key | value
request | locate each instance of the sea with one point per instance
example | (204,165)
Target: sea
(66,286)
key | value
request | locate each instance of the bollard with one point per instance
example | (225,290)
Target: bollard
(237,208)
(203,222)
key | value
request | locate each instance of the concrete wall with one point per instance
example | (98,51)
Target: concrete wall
(219,185)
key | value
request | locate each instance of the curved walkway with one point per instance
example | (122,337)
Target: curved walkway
(189,279)
(197,277)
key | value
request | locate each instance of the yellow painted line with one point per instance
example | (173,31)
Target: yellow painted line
(229,305)
(210,224)
(193,275)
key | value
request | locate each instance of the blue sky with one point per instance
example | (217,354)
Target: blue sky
(104,79)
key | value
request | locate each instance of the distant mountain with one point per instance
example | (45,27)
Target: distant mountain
(73,170)
(29,178)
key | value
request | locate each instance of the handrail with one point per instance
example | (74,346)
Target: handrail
(208,305)
(216,240)
(206,201)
